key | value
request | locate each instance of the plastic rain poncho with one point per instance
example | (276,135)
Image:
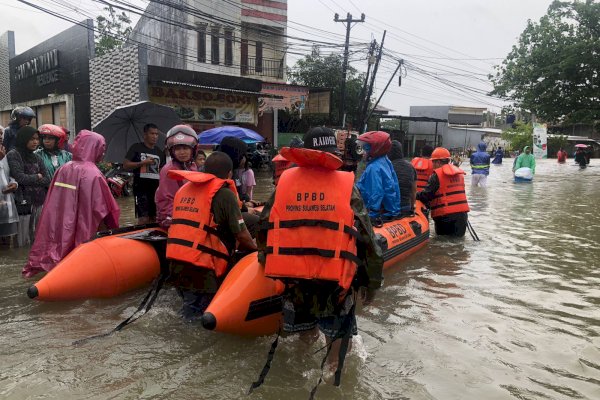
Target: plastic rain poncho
(78,201)
(379,188)
(525,161)
(8,210)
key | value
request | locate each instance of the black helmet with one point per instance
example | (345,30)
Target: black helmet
(296,142)
(22,112)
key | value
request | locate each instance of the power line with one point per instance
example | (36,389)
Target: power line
(435,74)
(348,21)
(357,9)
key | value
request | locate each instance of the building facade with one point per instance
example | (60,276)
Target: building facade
(243,38)
(466,127)
(207,59)
(52,78)
(7,51)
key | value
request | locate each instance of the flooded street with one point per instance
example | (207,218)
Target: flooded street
(515,316)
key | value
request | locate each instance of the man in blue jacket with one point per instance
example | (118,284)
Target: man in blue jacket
(378,185)
(480,166)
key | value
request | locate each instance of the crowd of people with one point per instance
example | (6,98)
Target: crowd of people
(315,232)
(29,158)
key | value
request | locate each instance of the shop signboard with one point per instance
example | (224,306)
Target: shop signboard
(207,106)
(318,102)
(540,141)
(294,98)
(58,65)
(290,97)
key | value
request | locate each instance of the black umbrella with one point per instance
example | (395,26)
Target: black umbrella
(125,126)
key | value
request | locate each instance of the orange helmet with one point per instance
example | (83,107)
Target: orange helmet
(440,153)
(378,143)
(54,131)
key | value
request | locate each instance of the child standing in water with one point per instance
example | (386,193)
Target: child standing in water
(248,180)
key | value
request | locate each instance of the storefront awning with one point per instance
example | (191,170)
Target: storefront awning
(219,89)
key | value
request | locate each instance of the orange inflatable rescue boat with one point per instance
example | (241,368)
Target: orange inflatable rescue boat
(248,303)
(104,267)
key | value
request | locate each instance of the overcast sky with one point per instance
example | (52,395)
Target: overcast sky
(457,41)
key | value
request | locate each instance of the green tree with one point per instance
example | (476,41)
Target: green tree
(315,70)
(112,30)
(554,70)
(555,143)
(393,124)
(519,136)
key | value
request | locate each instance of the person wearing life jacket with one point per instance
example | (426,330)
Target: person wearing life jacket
(52,152)
(480,166)
(424,167)
(445,195)
(206,224)
(182,145)
(378,184)
(316,236)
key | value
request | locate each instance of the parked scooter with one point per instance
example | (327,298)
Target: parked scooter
(119,181)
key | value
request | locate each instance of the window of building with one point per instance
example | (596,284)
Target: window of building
(259,57)
(214,45)
(228,47)
(202,44)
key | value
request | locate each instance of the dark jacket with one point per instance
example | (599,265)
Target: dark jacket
(24,168)
(407,176)
(580,158)
(10,136)
(428,193)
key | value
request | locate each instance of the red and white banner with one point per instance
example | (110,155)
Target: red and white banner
(270,10)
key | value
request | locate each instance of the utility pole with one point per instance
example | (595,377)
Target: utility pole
(363,112)
(348,21)
(363,91)
(384,90)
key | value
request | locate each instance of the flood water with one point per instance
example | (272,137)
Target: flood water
(515,316)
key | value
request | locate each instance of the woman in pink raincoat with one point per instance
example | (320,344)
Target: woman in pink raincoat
(182,145)
(77,203)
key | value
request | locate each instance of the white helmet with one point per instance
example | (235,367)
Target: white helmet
(182,134)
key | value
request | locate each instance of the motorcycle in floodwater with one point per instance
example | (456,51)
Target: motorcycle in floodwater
(119,181)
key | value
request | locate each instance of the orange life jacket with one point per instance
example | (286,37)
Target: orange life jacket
(311,232)
(450,197)
(424,168)
(280,164)
(193,236)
